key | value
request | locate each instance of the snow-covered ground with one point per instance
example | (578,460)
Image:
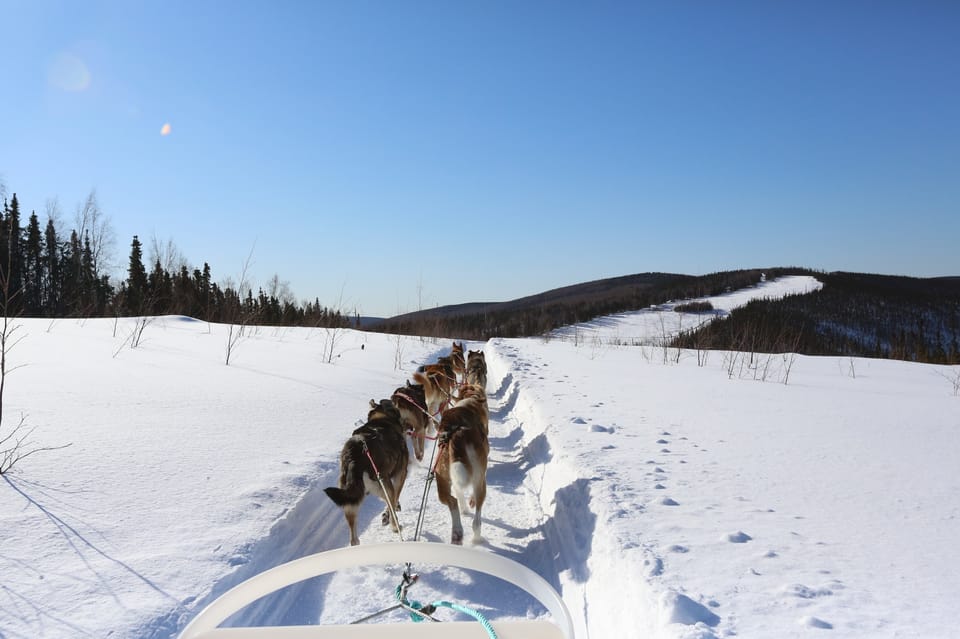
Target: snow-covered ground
(663,498)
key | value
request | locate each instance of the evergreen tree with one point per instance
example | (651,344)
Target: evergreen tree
(184,294)
(160,285)
(71,269)
(205,297)
(33,268)
(5,242)
(90,300)
(53,282)
(136,291)
(13,233)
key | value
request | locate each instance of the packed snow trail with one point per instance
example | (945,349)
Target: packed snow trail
(549,533)
(515,525)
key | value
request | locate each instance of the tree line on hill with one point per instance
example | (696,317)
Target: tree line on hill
(539,314)
(854,314)
(47,273)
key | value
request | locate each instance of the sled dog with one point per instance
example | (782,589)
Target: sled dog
(459,364)
(411,401)
(438,384)
(477,369)
(381,440)
(461,468)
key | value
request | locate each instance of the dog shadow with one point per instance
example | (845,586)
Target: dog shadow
(504,385)
(562,543)
(507,404)
(509,442)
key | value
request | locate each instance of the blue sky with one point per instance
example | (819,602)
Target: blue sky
(426,153)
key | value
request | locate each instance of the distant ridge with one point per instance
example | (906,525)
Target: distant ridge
(595,289)
(541,313)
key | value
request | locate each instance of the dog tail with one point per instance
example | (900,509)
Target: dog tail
(420,378)
(341,497)
(354,491)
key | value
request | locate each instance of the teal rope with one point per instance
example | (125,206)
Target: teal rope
(473,613)
(416,605)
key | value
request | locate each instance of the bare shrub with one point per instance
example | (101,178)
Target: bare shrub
(15,445)
(952,375)
(333,334)
(398,351)
(241,316)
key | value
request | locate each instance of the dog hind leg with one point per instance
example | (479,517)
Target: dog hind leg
(446,498)
(480,495)
(350,512)
(459,480)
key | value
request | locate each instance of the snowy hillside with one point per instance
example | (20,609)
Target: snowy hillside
(658,325)
(663,498)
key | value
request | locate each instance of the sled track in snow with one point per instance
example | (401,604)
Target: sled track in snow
(536,513)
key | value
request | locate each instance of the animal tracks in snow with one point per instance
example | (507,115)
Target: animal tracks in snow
(739,537)
(593,428)
(699,555)
(815,622)
(679,608)
(805,592)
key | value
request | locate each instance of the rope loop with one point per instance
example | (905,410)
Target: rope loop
(418,611)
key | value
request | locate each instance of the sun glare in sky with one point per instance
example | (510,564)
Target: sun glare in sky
(165,129)
(69,73)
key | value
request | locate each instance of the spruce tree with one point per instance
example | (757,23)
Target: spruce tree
(33,268)
(13,232)
(136,293)
(53,273)
(88,279)
(71,269)
(5,260)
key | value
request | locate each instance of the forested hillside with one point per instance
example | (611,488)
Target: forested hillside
(853,314)
(539,314)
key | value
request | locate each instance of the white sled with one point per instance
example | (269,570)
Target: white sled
(204,625)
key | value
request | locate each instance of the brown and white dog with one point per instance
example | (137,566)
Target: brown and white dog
(459,363)
(378,445)
(461,468)
(411,401)
(438,383)
(477,369)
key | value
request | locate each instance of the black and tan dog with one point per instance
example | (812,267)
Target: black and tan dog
(461,468)
(477,369)
(411,401)
(378,445)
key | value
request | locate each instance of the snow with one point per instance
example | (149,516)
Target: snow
(661,497)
